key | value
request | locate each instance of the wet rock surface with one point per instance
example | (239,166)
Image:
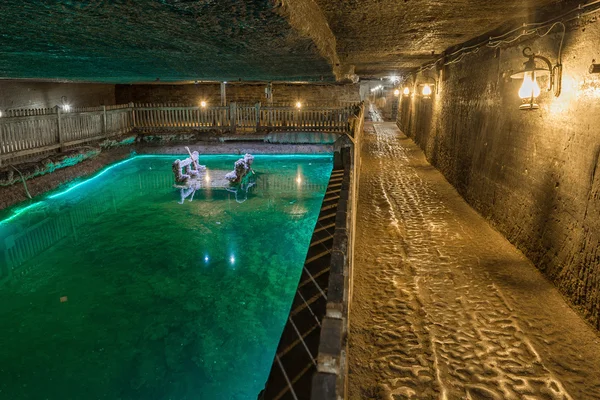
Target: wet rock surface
(12,174)
(10,195)
(445,307)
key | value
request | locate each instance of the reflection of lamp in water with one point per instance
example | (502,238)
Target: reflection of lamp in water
(232,259)
(207,177)
(298,179)
(206,259)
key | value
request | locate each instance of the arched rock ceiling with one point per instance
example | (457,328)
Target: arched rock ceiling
(141,40)
(380,37)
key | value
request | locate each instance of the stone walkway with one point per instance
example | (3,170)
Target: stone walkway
(444,307)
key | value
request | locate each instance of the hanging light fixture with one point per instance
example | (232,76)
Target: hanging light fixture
(530,89)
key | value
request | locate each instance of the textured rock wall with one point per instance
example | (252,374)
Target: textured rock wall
(24,94)
(534,175)
(241,93)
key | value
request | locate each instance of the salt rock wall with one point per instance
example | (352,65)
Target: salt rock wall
(249,93)
(27,94)
(535,175)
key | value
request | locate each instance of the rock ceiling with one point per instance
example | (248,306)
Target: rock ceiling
(295,40)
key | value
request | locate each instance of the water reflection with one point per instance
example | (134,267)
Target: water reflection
(35,230)
(189,192)
(127,294)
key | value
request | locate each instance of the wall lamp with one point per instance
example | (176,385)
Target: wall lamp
(406,91)
(427,89)
(66,107)
(530,89)
(397,92)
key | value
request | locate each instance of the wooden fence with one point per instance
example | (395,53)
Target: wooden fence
(24,133)
(34,132)
(242,118)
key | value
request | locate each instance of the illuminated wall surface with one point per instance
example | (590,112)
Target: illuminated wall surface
(534,174)
(111,288)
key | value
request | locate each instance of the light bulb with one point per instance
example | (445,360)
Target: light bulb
(406,91)
(298,105)
(202,104)
(530,87)
(426,90)
(396,92)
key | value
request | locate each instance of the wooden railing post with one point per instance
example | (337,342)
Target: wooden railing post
(232,116)
(104,120)
(223,94)
(132,119)
(257,116)
(59,128)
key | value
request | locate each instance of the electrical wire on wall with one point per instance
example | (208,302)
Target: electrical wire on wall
(540,29)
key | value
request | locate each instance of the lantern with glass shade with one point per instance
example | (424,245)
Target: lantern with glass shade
(530,88)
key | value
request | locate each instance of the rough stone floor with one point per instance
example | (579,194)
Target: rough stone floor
(443,306)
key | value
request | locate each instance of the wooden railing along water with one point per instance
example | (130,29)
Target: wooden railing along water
(34,132)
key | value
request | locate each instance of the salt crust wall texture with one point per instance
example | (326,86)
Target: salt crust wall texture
(248,93)
(534,175)
(25,94)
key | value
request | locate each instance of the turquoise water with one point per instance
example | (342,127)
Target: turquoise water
(112,289)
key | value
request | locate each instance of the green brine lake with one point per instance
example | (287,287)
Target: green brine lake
(120,286)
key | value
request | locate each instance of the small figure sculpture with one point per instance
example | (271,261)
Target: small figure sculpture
(187,168)
(241,168)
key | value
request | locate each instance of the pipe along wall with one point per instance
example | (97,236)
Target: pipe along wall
(535,175)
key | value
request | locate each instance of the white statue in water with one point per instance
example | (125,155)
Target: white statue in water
(188,168)
(241,168)
(190,177)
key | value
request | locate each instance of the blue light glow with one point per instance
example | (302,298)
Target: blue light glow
(91,179)
(20,211)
